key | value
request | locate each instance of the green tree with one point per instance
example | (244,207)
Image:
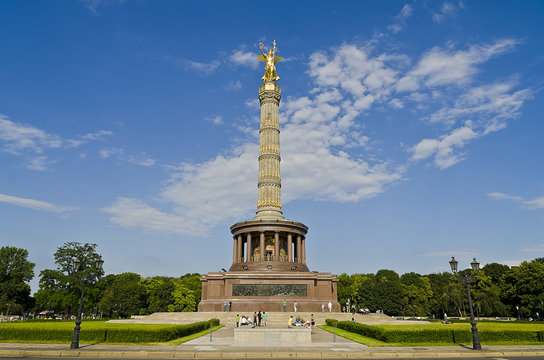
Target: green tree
(418,294)
(15,273)
(389,292)
(59,288)
(523,286)
(124,297)
(159,293)
(184,298)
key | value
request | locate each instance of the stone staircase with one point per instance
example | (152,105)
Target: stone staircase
(274,318)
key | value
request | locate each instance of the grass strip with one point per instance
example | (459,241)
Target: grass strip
(184,339)
(365,340)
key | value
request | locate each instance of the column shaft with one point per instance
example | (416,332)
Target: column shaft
(240,245)
(234,249)
(304,250)
(290,247)
(249,248)
(262,246)
(299,250)
(277,246)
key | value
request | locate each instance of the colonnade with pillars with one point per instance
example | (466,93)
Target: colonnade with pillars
(269,246)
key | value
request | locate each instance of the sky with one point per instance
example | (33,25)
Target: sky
(411,131)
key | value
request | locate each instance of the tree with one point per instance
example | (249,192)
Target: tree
(59,288)
(389,293)
(15,273)
(184,299)
(417,294)
(124,297)
(523,286)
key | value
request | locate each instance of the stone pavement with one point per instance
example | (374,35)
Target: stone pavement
(222,346)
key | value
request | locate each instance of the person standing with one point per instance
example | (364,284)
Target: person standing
(347,305)
(284,305)
(254,319)
(230,306)
(312,323)
(330,306)
(295,305)
(259,317)
(225,306)
(265,317)
(237,319)
(322,307)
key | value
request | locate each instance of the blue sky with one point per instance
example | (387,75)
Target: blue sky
(411,131)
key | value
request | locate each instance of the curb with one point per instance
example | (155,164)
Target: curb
(248,355)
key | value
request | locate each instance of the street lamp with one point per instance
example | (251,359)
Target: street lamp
(89,277)
(469,279)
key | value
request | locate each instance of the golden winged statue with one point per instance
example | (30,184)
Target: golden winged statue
(270,60)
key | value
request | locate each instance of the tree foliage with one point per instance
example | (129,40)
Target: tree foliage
(15,273)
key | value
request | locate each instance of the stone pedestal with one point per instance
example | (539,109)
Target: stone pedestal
(266,290)
(264,336)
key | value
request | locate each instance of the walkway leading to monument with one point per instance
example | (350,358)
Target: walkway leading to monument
(274,318)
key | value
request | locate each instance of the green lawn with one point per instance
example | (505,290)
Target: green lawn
(102,332)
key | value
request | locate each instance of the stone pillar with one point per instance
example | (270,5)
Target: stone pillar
(262,246)
(269,185)
(234,249)
(299,248)
(276,246)
(240,246)
(304,250)
(249,248)
(290,247)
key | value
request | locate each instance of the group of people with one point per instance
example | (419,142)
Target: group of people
(298,322)
(258,319)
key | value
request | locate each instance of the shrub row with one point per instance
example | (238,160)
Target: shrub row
(438,335)
(104,334)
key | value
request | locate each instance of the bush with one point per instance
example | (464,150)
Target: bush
(102,333)
(439,335)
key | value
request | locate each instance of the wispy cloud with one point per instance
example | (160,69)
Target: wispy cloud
(242,57)
(448,9)
(32,143)
(200,68)
(321,132)
(531,204)
(214,119)
(400,19)
(439,67)
(19,137)
(33,204)
(120,155)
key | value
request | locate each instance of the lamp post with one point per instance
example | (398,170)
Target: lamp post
(84,278)
(469,279)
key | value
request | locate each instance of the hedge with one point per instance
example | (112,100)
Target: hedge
(439,335)
(104,334)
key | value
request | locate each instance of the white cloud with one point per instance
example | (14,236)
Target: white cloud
(448,9)
(400,19)
(201,68)
(444,147)
(493,104)
(18,137)
(440,67)
(531,204)
(320,135)
(38,163)
(233,85)
(111,151)
(215,119)
(142,161)
(33,204)
(245,58)
(83,139)
(133,213)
